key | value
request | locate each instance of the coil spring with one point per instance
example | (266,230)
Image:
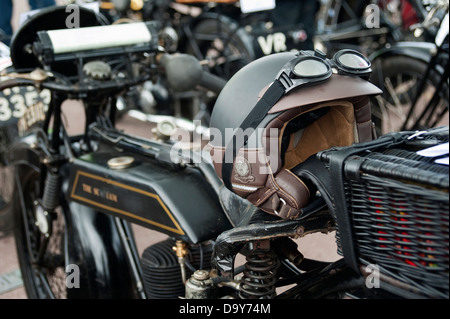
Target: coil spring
(258,281)
(50,198)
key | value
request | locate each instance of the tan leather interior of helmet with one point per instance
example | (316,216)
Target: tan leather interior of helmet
(335,128)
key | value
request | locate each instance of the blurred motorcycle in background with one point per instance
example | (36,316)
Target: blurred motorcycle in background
(414,76)
(227,35)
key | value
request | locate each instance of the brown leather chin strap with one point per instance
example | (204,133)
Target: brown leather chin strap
(288,195)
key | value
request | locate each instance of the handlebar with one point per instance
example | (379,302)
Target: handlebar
(10,83)
(109,59)
(184,72)
(212,82)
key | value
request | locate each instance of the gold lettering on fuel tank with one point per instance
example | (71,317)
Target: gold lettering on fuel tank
(87,188)
(100,193)
(112,197)
(83,187)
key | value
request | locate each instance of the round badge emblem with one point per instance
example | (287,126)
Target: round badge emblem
(243,170)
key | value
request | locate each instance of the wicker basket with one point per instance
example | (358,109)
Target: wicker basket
(398,202)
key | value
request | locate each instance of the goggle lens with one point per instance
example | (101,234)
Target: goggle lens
(353,61)
(310,68)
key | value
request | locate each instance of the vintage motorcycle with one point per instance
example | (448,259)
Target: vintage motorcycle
(77,196)
(225,37)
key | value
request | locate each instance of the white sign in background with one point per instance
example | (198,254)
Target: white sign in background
(435,151)
(257,5)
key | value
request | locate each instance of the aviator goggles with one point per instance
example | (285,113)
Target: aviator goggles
(306,68)
(310,67)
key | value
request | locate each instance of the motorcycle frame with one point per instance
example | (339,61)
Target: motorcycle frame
(121,273)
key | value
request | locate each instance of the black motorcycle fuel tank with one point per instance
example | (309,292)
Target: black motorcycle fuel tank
(179,203)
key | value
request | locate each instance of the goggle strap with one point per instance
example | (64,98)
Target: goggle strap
(273,94)
(285,80)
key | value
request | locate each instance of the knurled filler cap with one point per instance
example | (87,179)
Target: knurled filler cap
(120,162)
(98,70)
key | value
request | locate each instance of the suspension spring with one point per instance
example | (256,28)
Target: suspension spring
(258,281)
(50,198)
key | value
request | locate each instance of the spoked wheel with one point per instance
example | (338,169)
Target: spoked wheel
(40,241)
(222,48)
(220,45)
(399,77)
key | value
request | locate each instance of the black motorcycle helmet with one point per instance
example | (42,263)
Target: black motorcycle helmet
(306,120)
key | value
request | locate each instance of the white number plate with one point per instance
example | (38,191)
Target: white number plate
(15,102)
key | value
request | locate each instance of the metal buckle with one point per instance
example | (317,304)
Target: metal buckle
(283,203)
(418,133)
